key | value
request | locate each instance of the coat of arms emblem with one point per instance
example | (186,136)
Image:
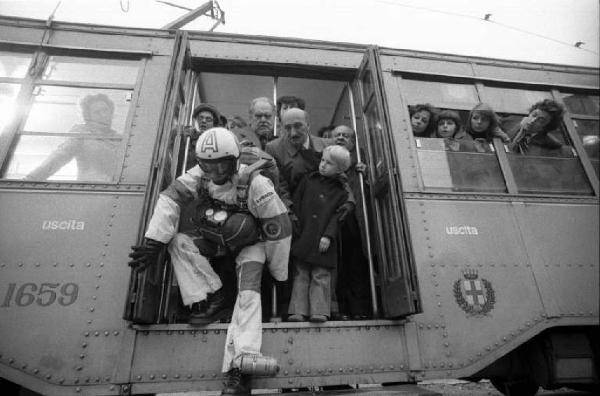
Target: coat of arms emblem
(475,296)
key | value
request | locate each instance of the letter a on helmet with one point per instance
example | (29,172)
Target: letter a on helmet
(217,143)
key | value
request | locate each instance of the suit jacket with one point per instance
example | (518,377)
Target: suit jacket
(294,163)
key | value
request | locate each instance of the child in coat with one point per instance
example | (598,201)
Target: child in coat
(314,250)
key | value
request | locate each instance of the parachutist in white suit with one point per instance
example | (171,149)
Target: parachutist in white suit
(264,235)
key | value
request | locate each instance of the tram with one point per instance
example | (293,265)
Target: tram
(479,270)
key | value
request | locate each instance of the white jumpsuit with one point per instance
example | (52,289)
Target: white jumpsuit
(194,275)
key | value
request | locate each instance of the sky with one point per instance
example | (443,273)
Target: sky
(528,30)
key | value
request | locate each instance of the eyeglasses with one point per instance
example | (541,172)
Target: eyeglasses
(207,119)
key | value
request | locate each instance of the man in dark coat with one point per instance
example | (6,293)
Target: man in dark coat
(297,152)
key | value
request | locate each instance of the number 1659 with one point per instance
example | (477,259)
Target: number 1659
(43,295)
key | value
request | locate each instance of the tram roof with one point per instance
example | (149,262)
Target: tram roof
(289,42)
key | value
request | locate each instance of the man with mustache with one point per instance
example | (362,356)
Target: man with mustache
(260,129)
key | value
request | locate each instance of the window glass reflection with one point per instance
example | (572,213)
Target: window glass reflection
(13,64)
(57,109)
(64,159)
(8,95)
(91,70)
(587,130)
(514,100)
(367,86)
(582,104)
(375,133)
(459,168)
(545,162)
(443,95)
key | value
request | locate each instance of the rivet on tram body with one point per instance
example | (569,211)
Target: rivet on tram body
(139,377)
(189,376)
(61,380)
(152,376)
(214,375)
(106,333)
(78,389)
(164,376)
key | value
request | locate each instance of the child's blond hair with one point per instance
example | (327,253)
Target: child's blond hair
(339,155)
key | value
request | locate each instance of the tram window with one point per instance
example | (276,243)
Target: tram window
(587,130)
(443,95)
(375,135)
(8,96)
(467,171)
(57,109)
(367,86)
(515,101)
(14,65)
(460,165)
(68,125)
(582,104)
(90,70)
(543,170)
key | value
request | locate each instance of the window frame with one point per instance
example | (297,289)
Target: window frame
(34,78)
(500,149)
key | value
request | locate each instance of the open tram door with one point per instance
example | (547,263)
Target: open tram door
(389,239)
(150,290)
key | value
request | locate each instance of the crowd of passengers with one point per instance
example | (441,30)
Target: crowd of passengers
(529,135)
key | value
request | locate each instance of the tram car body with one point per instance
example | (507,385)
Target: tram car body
(480,271)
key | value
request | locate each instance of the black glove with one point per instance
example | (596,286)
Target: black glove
(345,209)
(145,254)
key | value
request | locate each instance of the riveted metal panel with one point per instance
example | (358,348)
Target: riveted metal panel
(64,256)
(455,240)
(549,77)
(269,53)
(308,355)
(452,237)
(403,140)
(430,66)
(145,120)
(21,35)
(112,39)
(562,245)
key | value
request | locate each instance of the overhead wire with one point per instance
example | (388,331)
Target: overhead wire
(486,19)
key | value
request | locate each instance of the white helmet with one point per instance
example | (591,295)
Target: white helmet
(217,143)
